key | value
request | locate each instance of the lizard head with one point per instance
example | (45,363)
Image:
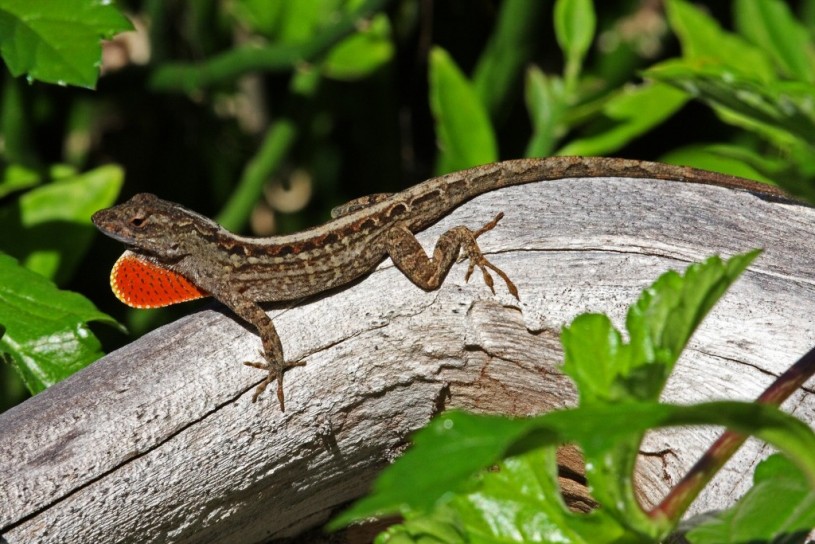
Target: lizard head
(151,226)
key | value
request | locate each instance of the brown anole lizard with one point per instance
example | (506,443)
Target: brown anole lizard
(175,254)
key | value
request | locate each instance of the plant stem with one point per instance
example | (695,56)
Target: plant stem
(231,64)
(677,501)
(279,138)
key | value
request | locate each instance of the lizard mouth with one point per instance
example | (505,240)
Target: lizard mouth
(127,241)
(104,222)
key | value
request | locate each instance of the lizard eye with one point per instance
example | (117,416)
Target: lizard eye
(138,221)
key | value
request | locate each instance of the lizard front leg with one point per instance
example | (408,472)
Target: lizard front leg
(429,272)
(272,351)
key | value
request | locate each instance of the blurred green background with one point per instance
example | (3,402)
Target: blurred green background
(266,114)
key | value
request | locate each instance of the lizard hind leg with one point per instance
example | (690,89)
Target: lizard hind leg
(429,272)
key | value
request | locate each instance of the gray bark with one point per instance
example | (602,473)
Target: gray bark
(159,441)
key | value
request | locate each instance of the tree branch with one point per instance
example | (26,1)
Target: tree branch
(160,442)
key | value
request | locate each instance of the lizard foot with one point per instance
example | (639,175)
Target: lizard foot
(477,259)
(275,373)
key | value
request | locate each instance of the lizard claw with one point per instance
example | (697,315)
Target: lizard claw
(482,264)
(477,259)
(510,285)
(275,373)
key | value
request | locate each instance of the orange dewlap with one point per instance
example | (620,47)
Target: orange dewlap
(140,283)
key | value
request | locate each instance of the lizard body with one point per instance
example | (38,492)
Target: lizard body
(242,272)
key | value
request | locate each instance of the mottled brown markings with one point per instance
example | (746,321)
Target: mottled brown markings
(331,238)
(429,196)
(367,223)
(236,249)
(395,210)
(458,186)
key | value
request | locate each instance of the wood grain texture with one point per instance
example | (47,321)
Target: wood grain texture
(159,442)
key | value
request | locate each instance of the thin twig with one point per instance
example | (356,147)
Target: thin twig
(677,501)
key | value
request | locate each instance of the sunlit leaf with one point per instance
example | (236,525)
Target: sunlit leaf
(575,22)
(49,228)
(780,507)
(47,335)
(362,53)
(455,446)
(58,41)
(463,128)
(770,25)
(628,114)
(704,42)
(546,102)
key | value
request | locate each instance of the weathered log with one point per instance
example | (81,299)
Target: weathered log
(160,442)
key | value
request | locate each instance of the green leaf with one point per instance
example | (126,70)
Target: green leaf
(260,16)
(780,507)
(770,25)
(49,228)
(16,178)
(575,23)
(779,111)
(300,21)
(517,501)
(509,49)
(463,128)
(47,335)
(546,102)
(440,527)
(57,41)
(459,444)
(724,158)
(456,445)
(705,43)
(595,356)
(631,112)
(360,54)
(520,501)
(606,370)
(667,313)
(659,325)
